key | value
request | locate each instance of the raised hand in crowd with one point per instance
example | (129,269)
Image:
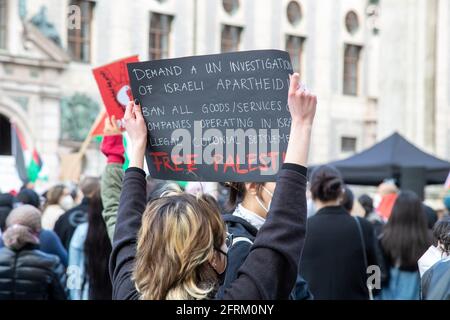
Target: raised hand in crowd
(135,125)
(302,106)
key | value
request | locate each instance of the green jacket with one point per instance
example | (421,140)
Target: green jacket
(111,186)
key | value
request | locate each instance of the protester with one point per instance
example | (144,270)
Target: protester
(29,196)
(6,205)
(58,201)
(251,203)
(49,243)
(437,251)
(385,199)
(181,248)
(338,247)
(89,252)
(436,281)
(371,215)
(404,240)
(66,224)
(27,273)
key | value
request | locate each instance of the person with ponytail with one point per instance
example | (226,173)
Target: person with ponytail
(89,252)
(175,247)
(339,247)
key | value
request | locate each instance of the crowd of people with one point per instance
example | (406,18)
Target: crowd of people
(128,236)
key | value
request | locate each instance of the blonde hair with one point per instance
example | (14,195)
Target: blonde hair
(54,194)
(175,244)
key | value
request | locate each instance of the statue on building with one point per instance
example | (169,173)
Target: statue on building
(40,20)
(78,113)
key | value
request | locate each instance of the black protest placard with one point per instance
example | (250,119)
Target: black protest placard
(220,117)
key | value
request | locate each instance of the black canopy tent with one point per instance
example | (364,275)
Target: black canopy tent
(397,158)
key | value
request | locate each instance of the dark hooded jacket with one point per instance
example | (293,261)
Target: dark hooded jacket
(6,205)
(244,235)
(30,274)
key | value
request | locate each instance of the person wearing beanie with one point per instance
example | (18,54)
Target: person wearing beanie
(28,196)
(27,273)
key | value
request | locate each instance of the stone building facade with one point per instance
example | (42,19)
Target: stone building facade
(377,66)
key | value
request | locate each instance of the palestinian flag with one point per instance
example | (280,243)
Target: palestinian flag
(28,161)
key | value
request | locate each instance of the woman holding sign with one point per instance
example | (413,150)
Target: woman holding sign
(176,246)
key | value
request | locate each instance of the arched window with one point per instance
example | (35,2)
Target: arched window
(160,27)
(294,13)
(352,55)
(294,45)
(231,38)
(351,22)
(230,6)
(5,136)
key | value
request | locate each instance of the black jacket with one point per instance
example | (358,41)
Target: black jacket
(333,261)
(242,229)
(6,205)
(66,224)
(270,270)
(30,274)
(239,251)
(436,282)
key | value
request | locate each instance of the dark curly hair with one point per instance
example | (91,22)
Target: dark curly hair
(441,232)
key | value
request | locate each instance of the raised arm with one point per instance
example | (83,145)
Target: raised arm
(302,106)
(131,206)
(112,178)
(270,270)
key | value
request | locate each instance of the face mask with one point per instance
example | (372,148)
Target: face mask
(66,202)
(429,258)
(261,204)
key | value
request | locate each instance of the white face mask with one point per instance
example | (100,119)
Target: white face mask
(260,202)
(429,258)
(66,202)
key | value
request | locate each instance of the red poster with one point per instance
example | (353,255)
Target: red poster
(114,84)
